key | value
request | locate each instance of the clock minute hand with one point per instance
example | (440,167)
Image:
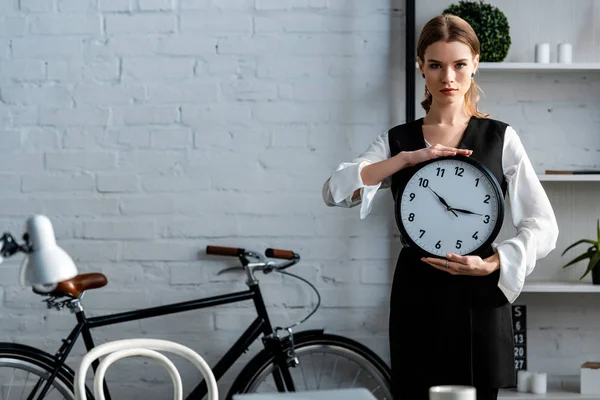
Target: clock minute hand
(443,202)
(439,197)
(466,211)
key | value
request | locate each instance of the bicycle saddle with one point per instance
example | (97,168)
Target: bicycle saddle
(74,287)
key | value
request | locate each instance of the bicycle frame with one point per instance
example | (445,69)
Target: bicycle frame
(261,325)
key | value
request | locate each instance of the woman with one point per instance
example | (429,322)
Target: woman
(450,319)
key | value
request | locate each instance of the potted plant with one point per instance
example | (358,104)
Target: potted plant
(593,253)
(489,23)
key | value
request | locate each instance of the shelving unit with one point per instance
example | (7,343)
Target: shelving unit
(557,394)
(569,178)
(531,66)
(559,388)
(560,287)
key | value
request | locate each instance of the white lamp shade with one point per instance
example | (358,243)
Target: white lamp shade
(47,263)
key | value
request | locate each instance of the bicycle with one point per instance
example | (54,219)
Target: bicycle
(278,366)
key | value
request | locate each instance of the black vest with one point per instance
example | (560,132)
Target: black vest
(486,138)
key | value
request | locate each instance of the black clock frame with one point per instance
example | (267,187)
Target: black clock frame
(497,191)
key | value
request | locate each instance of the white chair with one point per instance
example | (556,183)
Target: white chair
(146,348)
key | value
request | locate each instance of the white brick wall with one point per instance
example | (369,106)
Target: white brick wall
(148,129)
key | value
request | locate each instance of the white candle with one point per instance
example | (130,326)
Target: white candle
(539,383)
(523,381)
(542,53)
(564,53)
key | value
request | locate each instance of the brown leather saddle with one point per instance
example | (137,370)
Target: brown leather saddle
(74,287)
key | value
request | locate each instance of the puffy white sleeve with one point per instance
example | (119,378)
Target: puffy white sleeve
(532,216)
(341,185)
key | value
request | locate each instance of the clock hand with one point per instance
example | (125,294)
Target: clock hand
(466,211)
(440,198)
(443,202)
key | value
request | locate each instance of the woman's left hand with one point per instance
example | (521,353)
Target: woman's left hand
(465,265)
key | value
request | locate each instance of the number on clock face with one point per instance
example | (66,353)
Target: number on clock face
(449,206)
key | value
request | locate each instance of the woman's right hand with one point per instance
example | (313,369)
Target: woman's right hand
(373,174)
(435,151)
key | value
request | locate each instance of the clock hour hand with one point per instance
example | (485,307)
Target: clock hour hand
(443,202)
(466,211)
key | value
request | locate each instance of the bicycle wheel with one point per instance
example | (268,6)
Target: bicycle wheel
(24,371)
(325,362)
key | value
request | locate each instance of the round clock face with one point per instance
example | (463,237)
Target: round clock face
(450,205)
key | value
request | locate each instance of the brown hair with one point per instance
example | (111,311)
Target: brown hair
(450,28)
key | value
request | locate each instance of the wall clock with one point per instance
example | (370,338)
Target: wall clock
(450,205)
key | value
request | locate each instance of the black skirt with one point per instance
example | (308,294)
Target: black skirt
(447,330)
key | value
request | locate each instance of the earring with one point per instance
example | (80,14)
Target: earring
(423,75)
(472,74)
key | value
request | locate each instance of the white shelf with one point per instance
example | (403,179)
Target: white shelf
(560,287)
(531,66)
(563,388)
(569,178)
(539,66)
(556,394)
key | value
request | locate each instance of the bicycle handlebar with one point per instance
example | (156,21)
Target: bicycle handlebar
(282,254)
(225,251)
(244,255)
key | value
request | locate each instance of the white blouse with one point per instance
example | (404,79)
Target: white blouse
(532,214)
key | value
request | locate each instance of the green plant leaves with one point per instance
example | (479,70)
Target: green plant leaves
(593,261)
(491,26)
(578,242)
(587,254)
(593,253)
